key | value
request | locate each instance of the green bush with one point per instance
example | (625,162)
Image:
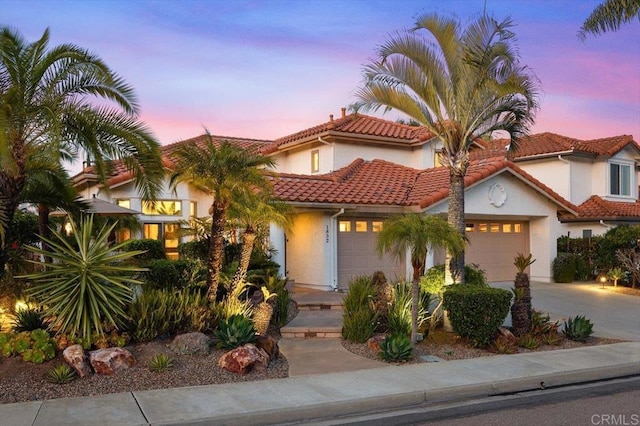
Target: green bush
(35,346)
(618,238)
(477,312)
(194,250)
(164,312)
(564,268)
(167,274)
(234,332)
(433,281)
(281,309)
(359,315)
(153,249)
(583,272)
(396,348)
(399,314)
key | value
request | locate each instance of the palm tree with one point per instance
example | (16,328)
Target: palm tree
(415,233)
(608,16)
(226,172)
(460,84)
(58,100)
(255,214)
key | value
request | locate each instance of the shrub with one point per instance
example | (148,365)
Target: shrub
(281,309)
(542,325)
(35,346)
(529,341)
(583,272)
(163,312)
(160,363)
(60,374)
(359,315)
(564,268)
(29,319)
(194,250)
(504,345)
(396,348)
(147,249)
(87,287)
(618,238)
(167,274)
(578,328)
(234,332)
(433,281)
(399,314)
(477,312)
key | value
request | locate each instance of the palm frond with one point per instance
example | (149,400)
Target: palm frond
(609,16)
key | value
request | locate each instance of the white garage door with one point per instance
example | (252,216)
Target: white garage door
(494,244)
(357,253)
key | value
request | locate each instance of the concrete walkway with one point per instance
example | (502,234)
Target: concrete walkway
(309,398)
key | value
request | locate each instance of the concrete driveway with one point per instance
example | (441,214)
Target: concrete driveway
(614,315)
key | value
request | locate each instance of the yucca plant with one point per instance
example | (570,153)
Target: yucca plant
(262,313)
(578,328)
(522,262)
(29,319)
(616,274)
(234,332)
(396,348)
(88,281)
(60,374)
(160,363)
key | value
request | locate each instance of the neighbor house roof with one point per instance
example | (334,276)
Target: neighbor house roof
(355,125)
(551,144)
(597,208)
(380,182)
(120,173)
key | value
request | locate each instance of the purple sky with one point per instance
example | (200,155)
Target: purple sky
(265,69)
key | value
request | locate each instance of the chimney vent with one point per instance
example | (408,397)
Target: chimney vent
(344,112)
(331,118)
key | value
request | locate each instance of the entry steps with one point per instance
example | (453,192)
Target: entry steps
(319,315)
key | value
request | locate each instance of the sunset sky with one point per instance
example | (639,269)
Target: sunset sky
(265,69)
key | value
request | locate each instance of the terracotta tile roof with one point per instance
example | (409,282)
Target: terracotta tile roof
(553,144)
(596,208)
(356,124)
(380,182)
(120,173)
(361,182)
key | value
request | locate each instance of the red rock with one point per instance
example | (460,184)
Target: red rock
(243,359)
(269,345)
(74,356)
(374,342)
(111,360)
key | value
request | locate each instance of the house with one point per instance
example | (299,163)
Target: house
(345,176)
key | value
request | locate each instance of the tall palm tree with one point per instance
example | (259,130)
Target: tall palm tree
(62,98)
(609,16)
(226,172)
(416,233)
(460,83)
(255,214)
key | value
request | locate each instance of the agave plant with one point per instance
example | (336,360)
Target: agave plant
(29,319)
(60,374)
(86,284)
(578,328)
(234,332)
(160,363)
(396,348)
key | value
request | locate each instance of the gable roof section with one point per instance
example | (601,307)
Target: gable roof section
(120,174)
(380,182)
(596,208)
(551,144)
(354,125)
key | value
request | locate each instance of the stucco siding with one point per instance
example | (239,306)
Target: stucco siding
(307,250)
(554,173)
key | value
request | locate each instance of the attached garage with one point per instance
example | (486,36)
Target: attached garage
(357,255)
(494,244)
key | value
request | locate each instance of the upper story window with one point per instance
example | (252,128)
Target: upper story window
(193,209)
(162,207)
(315,161)
(124,203)
(620,179)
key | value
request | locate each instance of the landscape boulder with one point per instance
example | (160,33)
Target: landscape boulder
(111,360)
(269,345)
(74,356)
(190,344)
(374,342)
(244,359)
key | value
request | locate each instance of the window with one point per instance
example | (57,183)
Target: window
(193,209)
(587,233)
(437,158)
(124,203)
(469,227)
(315,161)
(620,179)
(376,226)
(361,226)
(495,227)
(163,207)
(123,235)
(344,226)
(151,231)
(517,228)
(482,227)
(167,233)
(506,228)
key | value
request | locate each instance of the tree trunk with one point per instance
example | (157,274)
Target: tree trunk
(216,247)
(418,270)
(248,239)
(10,188)
(43,228)
(521,309)
(456,220)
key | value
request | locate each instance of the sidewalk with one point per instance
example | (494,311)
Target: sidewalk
(326,396)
